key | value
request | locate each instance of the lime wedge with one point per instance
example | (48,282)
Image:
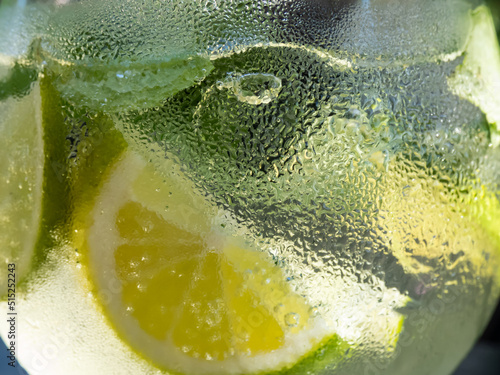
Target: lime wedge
(78,148)
(21,171)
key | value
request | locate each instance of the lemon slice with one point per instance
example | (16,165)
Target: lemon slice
(21,172)
(181,284)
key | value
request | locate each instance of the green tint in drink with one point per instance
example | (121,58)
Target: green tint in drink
(249,187)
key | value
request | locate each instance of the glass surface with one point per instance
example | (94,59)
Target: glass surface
(243,187)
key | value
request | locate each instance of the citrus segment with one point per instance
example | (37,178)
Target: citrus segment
(202,330)
(268,282)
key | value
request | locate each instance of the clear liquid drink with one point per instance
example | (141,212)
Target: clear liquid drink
(248,187)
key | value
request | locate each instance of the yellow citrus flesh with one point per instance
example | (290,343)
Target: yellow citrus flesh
(213,302)
(187,292)
(422,222)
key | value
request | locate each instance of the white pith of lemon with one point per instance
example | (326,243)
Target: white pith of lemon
(227,308)
(21,173)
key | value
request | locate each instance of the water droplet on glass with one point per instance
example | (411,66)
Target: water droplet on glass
(253,88)
(314,311)
(292,319)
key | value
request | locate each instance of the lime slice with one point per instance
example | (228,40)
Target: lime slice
(21,171)
(478,78)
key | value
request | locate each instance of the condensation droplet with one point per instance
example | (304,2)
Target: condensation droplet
(314,311)
(253,88)
(292,319)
